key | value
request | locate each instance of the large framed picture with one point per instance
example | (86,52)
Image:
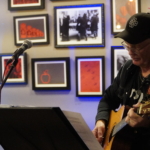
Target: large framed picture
(119,56)
(79,26)
(121,11)
(26,4)
(33,27)
(18,74)
(51,73)
(90,76)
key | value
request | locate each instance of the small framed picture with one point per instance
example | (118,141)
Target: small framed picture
(18,74)
(34,28)
(121,11)
(90,76)
(79,26)
(26,4)
(51,73)
(119,56)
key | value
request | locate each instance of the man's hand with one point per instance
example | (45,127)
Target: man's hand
(135,120)
(99,130)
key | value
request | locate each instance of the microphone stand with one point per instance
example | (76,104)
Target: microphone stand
(13,64)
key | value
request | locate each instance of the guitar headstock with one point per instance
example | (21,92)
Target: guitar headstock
(144,108)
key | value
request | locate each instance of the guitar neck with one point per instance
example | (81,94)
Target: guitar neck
(119,126)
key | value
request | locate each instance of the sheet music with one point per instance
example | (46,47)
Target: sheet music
(1,148)
(83,130)
(10,106)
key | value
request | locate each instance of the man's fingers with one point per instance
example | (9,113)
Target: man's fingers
(100,138)
(136,105)
(94,132)
(100,135)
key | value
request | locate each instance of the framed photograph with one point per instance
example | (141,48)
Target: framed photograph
(34,28)
(79,26)
(59,0)
(119,56)
(121,11)
(51,73)
(26,4)
(18,74)
(90,76)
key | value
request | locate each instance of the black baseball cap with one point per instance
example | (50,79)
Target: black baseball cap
(137,29)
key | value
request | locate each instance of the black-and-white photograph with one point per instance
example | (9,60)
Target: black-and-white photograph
(119,57)
(79,26)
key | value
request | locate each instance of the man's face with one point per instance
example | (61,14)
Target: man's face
(140,53)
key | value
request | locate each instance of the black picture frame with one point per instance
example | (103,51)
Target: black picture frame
(12,5)
(59,0)
(121,11)
(19,73)
(90,79)
(51,73)
(119,56)
(32,27)
(70,23)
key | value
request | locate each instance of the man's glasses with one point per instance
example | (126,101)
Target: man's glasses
(131,48)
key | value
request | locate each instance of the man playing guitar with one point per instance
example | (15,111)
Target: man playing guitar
(130,88)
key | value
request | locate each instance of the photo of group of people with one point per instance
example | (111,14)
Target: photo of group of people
(79,26)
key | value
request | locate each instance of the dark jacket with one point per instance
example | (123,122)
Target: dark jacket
(118,92)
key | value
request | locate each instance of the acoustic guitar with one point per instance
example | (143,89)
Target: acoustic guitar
(119,135)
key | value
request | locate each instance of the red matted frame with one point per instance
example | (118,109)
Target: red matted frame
(51,73)
(90,76)
(19,73)
(121,11)
(33,27)
(26,4)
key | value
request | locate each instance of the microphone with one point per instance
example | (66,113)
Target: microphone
(26,44)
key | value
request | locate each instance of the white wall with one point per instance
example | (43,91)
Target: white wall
(66,100)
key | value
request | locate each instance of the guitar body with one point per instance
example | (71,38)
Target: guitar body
(122,140)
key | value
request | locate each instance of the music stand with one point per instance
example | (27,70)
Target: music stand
(37,128)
